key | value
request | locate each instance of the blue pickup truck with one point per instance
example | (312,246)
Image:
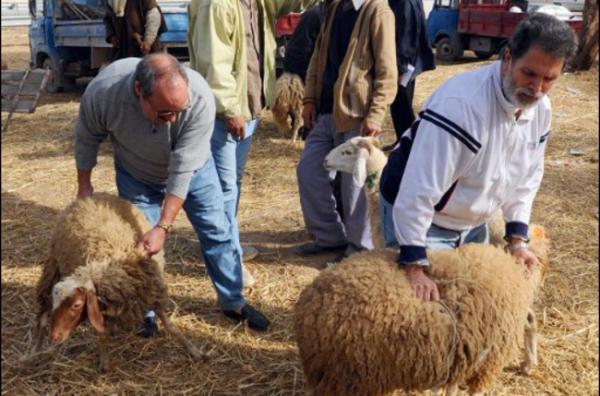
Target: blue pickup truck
(68,37)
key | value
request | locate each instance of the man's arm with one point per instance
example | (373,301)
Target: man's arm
(439,155)
(385,82)
(109,26)
(151,27)
(518,205)
(191,151)
(89,134)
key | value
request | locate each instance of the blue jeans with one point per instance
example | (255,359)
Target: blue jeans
(204,208)
(437,237)
(230,156)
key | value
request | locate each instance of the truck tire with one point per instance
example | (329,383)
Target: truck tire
(448,49)
(483,55)
(53,84)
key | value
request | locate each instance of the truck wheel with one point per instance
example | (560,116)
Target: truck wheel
(53,83)
(448,49)
(483,55)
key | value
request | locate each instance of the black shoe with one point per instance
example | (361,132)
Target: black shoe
(256,320)
(313,248)
(149,328)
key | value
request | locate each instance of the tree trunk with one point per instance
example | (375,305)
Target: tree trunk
(588,40)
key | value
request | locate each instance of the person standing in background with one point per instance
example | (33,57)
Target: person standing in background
(413,55)
(133,27)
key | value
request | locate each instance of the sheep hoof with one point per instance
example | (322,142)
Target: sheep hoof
(104,366)
(198,355)
(526,368)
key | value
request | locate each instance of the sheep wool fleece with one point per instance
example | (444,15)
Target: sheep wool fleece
(98,236)
(360,330)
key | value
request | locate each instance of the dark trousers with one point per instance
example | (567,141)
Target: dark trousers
(401,109)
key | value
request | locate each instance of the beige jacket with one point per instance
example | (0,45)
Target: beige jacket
(368,76)
(217,49)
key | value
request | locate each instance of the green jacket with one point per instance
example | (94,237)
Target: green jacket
(217,49)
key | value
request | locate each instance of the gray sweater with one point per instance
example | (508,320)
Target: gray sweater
(158,154)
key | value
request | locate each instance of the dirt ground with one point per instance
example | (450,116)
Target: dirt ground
(38,181)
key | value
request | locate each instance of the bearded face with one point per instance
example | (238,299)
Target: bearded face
(529,78)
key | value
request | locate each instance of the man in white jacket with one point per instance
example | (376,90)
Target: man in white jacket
(478,145)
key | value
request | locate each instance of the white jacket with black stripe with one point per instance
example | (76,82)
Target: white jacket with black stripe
(469,157)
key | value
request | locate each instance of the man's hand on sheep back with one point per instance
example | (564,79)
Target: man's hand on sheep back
(525,256)
(153,241)
(423,287)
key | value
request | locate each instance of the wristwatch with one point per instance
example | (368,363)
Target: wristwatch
(165,226)
(511,247)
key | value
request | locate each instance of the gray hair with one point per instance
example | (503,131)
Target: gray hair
(545,31)
(149,71)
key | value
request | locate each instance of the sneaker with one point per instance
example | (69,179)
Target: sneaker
(249,253)
(247,278)
(313,248)
(149,328)
(256,320)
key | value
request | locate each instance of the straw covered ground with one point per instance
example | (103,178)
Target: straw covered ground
(38,181)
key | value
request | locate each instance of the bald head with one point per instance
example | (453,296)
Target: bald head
(159,69)
(161,83)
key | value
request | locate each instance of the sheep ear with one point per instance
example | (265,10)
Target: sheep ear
(93,311)
(359,173)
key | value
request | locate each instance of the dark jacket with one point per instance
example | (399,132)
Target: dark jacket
(132,23)
(302,43)
(412,46)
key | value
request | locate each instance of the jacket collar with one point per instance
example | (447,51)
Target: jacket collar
(508,108)
(358,3)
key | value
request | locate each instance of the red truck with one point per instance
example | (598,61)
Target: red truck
(483,26)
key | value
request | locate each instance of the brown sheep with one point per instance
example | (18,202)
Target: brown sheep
(95,267)
(361,331)
(288,103)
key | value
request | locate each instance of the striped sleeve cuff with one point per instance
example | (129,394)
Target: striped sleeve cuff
(516,228)
(411,254)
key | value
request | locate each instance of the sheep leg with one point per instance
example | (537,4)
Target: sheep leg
(530,344)
(39,333)
(103,354)
(295,126)
(174,330)
(452,390)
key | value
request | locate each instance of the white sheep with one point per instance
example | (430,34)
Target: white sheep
(288,103)
(360,330)
(95,269)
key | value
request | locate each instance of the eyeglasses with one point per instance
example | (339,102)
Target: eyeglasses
(167,115)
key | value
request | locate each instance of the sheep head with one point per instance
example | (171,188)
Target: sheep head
(72,297)
(359,156)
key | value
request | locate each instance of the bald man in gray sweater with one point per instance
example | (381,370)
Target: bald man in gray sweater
(160,117)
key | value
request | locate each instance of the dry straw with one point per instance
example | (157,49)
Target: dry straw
(38,181)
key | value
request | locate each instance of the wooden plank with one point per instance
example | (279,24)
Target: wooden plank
(35,76)
(12,89)
(23,106)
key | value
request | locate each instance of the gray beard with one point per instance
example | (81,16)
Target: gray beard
(511,93)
